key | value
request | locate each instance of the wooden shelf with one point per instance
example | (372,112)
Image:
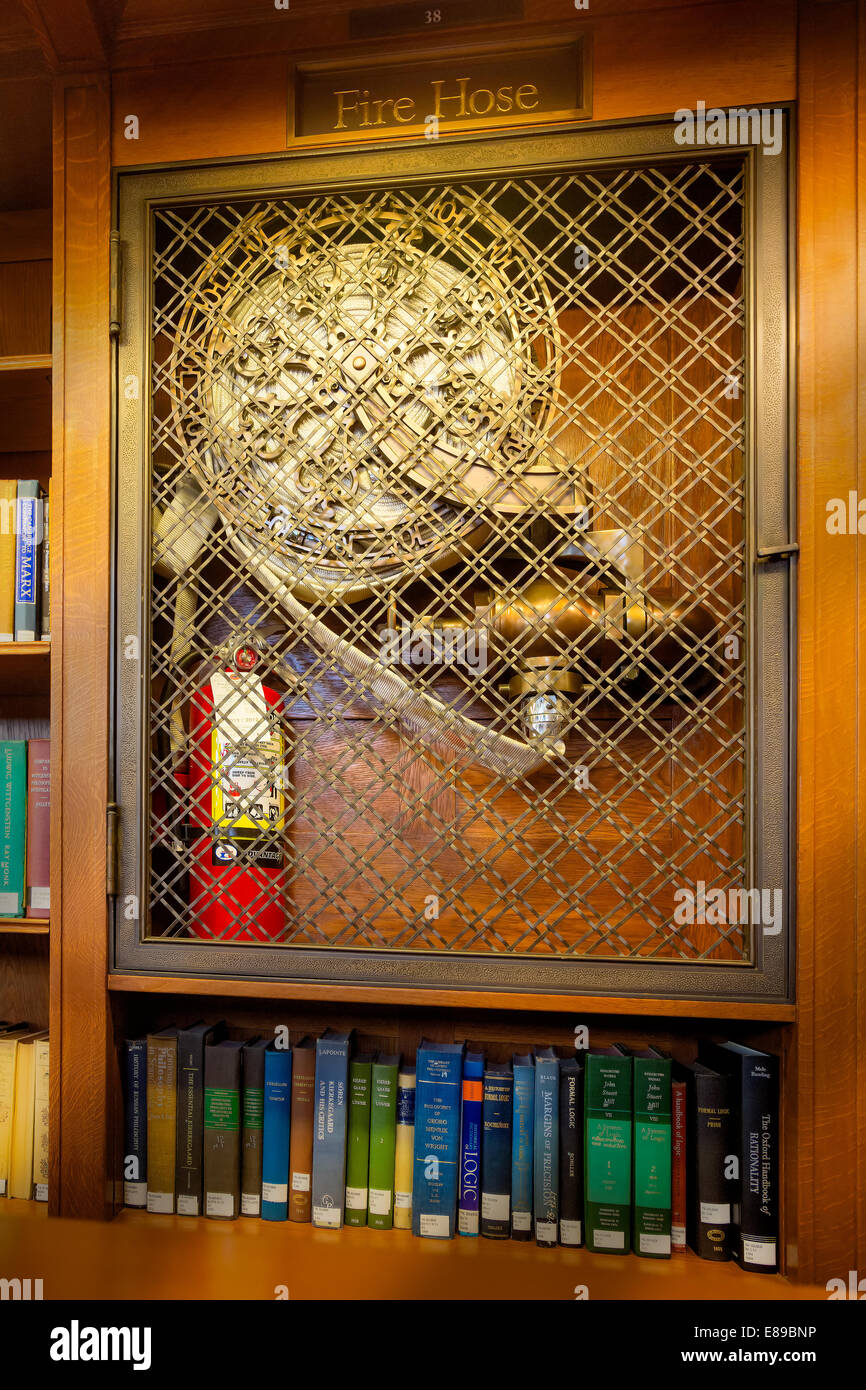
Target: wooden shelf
(24,669)
(25,926)
(326,991)
(144,1256)
(31,362)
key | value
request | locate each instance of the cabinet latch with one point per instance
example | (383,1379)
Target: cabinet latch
(112,840)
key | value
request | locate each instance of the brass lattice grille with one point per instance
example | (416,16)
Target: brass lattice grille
(462,469)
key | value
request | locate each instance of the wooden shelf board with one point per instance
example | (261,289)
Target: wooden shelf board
(144,1256)
(10,650)
(31,362)
(375,994)
(26,926)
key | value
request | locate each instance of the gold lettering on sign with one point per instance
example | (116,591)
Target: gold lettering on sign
(451,100)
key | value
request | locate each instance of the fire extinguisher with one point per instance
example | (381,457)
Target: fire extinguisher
(234,782)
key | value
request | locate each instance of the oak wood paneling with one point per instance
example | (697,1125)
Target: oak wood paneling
(80,556)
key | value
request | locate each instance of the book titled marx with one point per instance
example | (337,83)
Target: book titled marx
(608,1150)
(330,1120)
(438,1090)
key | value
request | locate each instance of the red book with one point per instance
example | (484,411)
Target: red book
(678,1166)
(38,826)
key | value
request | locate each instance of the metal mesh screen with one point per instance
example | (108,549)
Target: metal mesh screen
(448,606)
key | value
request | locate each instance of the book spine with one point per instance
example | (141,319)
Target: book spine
(758,1242)
(523,1126)
(651,1224)
(383,1132)
(252,1132)
(277,1126)
(496,1156)
(468,1210)
(437,1144)
(135,1156)
(190,1131)
(222,1133)
(13,817)
(678,1167)
(28,572)
(358,1143)
(38,827)
(21,1161)
(329,1134)
(8,1050)
(40,1121)
(570,1156)
(301,1149)
(608,1154)
(45,599)
(404,1151)
(546,1156)
(712,1194)
(8,496)
(161,1122)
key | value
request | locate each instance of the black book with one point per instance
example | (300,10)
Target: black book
(252,1126)
(570,1152)
(135,1123)
(496,1114)
(222,1129)
(191,1043)
(755,1101)
(711,1142)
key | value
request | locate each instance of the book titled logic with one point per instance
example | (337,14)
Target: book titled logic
(652,1154)
(470,1144)
(439,1078)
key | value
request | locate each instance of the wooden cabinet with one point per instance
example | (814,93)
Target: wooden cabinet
(202,91)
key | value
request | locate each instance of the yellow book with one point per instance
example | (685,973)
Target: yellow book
(21,1158)
(8,1052)
(8,494)
(40,1122)
(404,1153)
(161,1119)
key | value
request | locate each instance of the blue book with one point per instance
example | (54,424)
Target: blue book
(522,1150)
(496,1152)
(275,1133)
(28,567)
(546,1161)
(438,1086)
(330,1122)
(470,1144)
(135,1145)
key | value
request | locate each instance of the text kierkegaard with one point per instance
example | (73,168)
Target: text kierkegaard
(453,100)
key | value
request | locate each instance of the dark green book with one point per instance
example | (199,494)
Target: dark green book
(383,1141)
(252,1132)
(608,1150)
(222,1129)
(13,815)
(358,1139)
(651,1215)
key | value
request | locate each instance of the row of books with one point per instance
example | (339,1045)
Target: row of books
(612,1148)
(25,821)
(25,590)
(23,1112)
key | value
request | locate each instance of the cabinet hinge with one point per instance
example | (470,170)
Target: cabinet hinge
(114,306)
(112,839)
(777,552)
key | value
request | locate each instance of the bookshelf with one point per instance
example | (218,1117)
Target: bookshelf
(642,68)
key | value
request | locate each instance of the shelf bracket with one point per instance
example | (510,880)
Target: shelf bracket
(777,552)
